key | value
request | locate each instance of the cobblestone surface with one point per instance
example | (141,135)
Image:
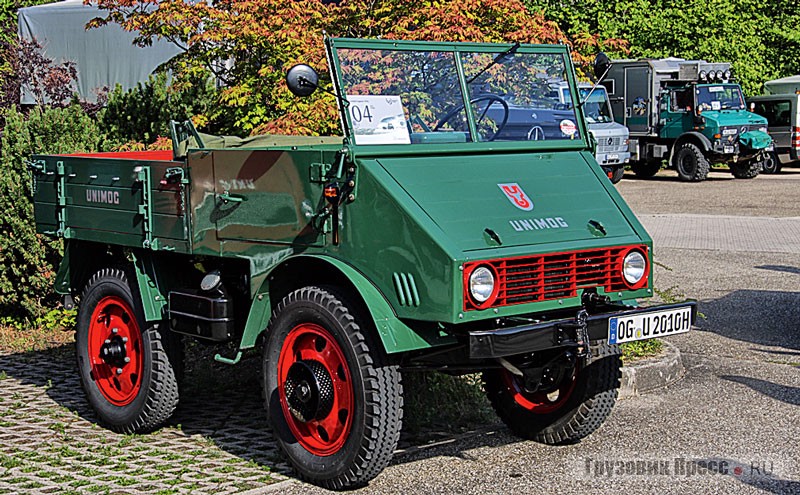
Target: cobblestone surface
(217,443)
(724,233)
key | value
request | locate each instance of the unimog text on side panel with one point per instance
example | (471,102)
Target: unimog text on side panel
(460,223)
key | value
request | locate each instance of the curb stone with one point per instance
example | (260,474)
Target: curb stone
(651,373)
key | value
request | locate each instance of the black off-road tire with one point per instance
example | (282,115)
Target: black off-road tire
(377,405)
(156,395)
(771,164)
(690,163)
(617,173)
(746,169)
(647,168)
(585,409)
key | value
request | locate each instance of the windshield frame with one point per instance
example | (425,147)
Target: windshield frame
(458,48)
(696,95)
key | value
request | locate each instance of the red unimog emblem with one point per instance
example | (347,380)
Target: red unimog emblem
(517,196)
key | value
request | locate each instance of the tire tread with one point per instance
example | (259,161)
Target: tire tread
(594,408)
(383,412)
(162,394)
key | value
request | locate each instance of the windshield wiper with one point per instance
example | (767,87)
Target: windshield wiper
(501,58)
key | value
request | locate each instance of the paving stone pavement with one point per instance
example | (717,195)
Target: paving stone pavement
(724,233)
(217,443)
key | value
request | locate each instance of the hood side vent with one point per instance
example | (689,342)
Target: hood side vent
(406,289)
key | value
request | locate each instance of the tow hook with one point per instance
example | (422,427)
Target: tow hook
(580,335)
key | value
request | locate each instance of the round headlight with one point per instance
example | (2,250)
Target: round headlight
(727,74)
(703,75)
(481,284)
(211,281)
(634,266)
(719,75)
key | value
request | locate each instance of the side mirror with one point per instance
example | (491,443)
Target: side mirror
(302,80)
(601,66)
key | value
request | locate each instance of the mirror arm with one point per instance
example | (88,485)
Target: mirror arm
(305,82)
(594,86)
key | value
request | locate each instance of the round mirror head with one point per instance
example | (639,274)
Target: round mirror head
(600,65)
(302,80)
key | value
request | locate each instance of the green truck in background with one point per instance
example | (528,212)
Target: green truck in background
(688,112)
(427,237)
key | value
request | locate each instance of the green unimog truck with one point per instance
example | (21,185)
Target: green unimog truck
(424,238)
(688,112)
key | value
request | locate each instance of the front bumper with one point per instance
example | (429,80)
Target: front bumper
(613,158)
(524,339)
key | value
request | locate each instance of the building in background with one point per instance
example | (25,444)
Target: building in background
(104,57)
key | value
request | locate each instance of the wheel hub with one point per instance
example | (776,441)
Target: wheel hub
(309,390)
(113,351)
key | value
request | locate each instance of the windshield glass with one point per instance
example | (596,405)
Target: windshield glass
(416,97)
(596,109)
(719,97)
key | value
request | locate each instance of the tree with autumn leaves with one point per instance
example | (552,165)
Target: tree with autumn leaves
(248,45)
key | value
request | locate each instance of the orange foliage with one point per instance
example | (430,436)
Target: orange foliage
(249,44)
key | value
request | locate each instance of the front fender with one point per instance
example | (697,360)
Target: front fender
(394,334)
(694,136)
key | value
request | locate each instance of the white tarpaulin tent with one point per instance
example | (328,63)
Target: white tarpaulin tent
(786,85)
(103,57)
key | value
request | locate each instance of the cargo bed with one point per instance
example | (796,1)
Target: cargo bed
(144,198)
(133,199)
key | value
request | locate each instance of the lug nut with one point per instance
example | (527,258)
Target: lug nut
(108,341)
(114,330)
(119,371)
(127,359)
(124,340)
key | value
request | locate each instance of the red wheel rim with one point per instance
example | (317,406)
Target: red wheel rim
(539,402)
(326,432)
(115,350)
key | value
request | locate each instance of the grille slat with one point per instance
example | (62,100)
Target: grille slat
(553,276)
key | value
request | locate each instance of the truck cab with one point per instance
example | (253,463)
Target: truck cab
(611,137)
(690,113)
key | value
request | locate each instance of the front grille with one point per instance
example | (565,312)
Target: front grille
(552,276)
(610,145)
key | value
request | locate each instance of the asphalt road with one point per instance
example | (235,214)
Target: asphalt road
(731,425)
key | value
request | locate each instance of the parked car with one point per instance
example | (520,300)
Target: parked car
(782,112)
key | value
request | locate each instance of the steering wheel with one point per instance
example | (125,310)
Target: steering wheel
(490,100)
(536,133)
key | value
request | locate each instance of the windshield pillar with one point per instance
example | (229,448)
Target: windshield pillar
(462,79)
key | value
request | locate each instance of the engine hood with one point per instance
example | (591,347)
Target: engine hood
(729,118)
(608,129)
(510,200)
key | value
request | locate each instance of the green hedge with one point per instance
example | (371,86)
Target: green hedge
(142,114)
(27,259)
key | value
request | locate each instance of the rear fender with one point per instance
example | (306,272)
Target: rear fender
(82,259)
(153,301)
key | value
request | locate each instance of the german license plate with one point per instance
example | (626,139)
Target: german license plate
(613,157)
(643,326)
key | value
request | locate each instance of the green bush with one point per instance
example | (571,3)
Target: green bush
(27,259)
(142,114)
(438,401)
